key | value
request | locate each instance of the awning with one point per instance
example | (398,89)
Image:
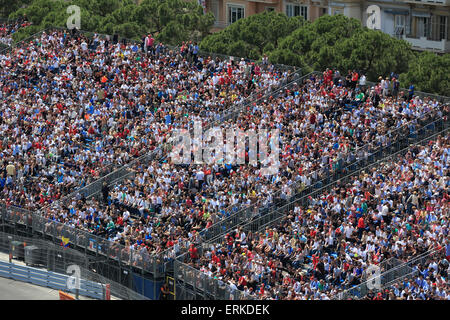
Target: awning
(421,14)
(396,11)
(337,4)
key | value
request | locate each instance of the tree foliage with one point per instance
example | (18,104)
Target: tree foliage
(171,21)
(330,41)
(9,6)
(252,36)
(343,43)
(429,72)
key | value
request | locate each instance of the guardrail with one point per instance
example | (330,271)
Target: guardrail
(421,94)
(192,284)
(56,258)
(125,172)
(50,279)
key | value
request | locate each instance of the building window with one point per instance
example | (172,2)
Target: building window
(235,13)
(336,12)
(293,10)
(439,28)
(399,25)
(443,27)
(423,27)
(270,9)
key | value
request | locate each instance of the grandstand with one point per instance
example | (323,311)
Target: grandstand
(86,127)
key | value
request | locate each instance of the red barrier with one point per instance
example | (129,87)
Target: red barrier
(65,296)
(107,291)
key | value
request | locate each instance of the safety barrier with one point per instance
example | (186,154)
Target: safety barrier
(57,257)
(65,296)
(50,279)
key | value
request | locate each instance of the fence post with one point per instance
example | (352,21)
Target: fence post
(10,252)
(96,247)
(155,271)
(143,277)
(107,288)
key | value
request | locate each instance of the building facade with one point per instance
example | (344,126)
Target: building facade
(229,11)
(423,23)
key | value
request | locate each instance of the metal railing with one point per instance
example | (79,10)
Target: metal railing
(393,273)
(51,279)
(422,135)
(57,257)
(359,158)
(192,284)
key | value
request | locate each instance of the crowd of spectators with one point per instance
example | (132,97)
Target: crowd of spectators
(72,107)
(399,209)
(7,29)
(322,125)
(169,204)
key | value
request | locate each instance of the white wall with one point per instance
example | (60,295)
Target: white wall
(387,23)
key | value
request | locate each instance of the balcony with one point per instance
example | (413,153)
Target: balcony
(220,24)
(424,43)
(430,2)
(266,1)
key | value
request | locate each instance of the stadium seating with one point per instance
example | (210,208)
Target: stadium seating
(73,109)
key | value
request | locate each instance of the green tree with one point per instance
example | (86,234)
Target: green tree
(171,21)
(9,6)
(429,72)
(174,21)
(343,43)
(373,52)
(251,36)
